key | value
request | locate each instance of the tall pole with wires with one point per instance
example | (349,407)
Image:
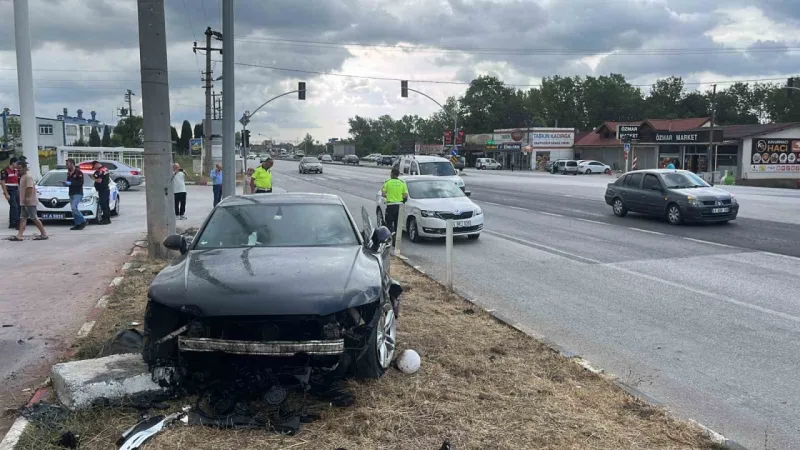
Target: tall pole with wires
(228,104)
(208,127)
(710,150)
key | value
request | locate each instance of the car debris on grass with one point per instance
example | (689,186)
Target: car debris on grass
(480,384)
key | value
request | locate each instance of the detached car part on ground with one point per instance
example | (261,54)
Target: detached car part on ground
(679,195)
(284,281)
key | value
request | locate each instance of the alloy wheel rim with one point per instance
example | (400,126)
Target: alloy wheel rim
(387,338)
(617,206)
(674,214)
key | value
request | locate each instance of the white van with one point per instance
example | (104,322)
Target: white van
(429,165)
(487,163)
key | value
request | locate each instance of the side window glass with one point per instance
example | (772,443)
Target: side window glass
(650,182)
(110,166)
(634,180)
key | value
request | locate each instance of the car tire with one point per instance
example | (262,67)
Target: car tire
(379,218)
(674,216)
(607,172)
(115,211)
(483,167)
(474,237)
(122,184)
(413,231)
(619,208)
(588,172)
(382,343)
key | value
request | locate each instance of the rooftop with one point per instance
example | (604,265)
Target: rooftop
(735,132)
(605,135)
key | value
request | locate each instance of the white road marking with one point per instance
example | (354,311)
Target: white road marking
(494,204)
(85,329)
(518,208)
(709,242)
(722,298)
(550,214)
(645,231)
(545,247)
(592,221)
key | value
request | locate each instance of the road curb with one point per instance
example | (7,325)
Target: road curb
(504,319)
(17,429)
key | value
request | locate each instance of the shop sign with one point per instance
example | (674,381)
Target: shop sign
(448,137)
(491,146)
(510,147)
(775,155)
(477,139)
(680,137)
(552,138)
(627,132)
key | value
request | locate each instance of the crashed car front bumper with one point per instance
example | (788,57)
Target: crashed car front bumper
(329,347)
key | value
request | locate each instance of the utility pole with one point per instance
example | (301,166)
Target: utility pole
(206,154)
(214,108)
(157,136)
(228,104)
(128,99)
(710,150)
(27,111)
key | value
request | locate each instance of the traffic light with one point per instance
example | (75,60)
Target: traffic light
(301,88)
(789,86)
(403,88)
(246,138)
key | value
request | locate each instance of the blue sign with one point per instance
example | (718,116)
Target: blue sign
(627,147)
(454,151)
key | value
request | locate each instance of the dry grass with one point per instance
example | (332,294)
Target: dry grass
(482,385)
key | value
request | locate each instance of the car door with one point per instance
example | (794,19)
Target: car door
(652,195)
(632,192)
(414,168)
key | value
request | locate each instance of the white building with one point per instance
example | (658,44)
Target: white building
(50,131)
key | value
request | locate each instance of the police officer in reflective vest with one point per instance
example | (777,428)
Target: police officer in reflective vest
(9,181)
(261,183)
(395,192)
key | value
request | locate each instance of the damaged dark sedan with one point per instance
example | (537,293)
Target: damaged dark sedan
(285,280)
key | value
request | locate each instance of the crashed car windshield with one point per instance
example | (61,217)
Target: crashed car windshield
(278,225)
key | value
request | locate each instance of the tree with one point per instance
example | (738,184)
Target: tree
(128,132)
(175,138)
(186,135)
(610,98)
(488,104)
(94,138)
(308,144)
(106,141)
(664,97)
(14,128)
(562,102)
(80,143)
(198,130)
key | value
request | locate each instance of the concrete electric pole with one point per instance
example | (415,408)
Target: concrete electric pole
(157,136)
(27,111)
(710,153)
(206,154)
(228,104)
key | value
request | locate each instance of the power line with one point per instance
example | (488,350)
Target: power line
(524,51)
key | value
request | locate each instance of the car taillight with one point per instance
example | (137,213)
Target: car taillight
(134,172)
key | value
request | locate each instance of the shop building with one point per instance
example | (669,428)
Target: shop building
(521,148)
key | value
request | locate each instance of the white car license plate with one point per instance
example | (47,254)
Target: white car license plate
(52,216)
(462,224)
(720,210)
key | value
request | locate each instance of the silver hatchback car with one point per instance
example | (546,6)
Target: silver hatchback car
(122,174)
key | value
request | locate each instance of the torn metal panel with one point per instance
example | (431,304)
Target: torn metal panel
(263,348)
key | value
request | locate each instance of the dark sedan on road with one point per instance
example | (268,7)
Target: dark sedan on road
(350,159)
(286,279)
(679,195)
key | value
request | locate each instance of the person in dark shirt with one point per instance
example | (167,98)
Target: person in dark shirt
(9,182)
(101,180)
(75,183)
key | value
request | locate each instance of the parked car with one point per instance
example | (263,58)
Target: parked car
(299,155)
(678,195)
(284,279)
(431,202)
(565,166)
(326,158)
(372,157)
(309,164)
(122,174)
(350,159)
(387,160)
(487,164)
(430,165)
(54,202)
(588,167)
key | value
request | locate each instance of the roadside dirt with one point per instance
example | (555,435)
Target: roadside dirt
(481,385)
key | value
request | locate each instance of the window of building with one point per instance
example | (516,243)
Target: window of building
(72,130)
(46,129)
(87,131)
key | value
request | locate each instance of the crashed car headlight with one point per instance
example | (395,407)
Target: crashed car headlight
(427,213)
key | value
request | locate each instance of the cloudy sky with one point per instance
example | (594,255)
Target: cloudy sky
(86,51)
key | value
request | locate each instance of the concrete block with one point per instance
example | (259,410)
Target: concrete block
(79,383)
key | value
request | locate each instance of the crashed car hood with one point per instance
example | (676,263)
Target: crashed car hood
(270,281)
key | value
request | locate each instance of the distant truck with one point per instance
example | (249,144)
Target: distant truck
(340,149)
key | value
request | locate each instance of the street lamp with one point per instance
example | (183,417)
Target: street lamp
(404,93)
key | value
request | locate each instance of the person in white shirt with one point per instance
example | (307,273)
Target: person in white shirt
(179,188)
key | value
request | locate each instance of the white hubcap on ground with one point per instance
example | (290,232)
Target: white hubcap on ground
(387,337)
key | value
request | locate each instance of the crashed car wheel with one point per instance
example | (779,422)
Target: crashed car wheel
(382,343)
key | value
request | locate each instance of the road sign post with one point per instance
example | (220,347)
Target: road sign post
(627,147)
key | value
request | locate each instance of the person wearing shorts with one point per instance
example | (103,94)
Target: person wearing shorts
(28,199)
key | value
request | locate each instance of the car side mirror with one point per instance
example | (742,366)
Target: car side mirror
(177,242)
(380,236)
(468,193)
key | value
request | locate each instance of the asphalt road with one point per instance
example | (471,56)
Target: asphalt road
(704,318)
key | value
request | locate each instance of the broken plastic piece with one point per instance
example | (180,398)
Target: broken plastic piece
(140,433)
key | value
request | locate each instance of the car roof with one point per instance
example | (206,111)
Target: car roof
(408,178)
(426,158)
(658,171)
(309,198)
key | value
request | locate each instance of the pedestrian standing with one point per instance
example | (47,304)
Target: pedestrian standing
(9,182)
(28,199)
(216,181)
(75,183)
(179,188)
(262,178)
(395,192)
(101,179)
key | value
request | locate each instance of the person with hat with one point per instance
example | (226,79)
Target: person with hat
(101,179)
(261,182)
(395,192)
(9,183)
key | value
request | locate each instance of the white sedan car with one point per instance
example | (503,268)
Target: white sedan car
(54,198)
(431,201)
(588,167)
